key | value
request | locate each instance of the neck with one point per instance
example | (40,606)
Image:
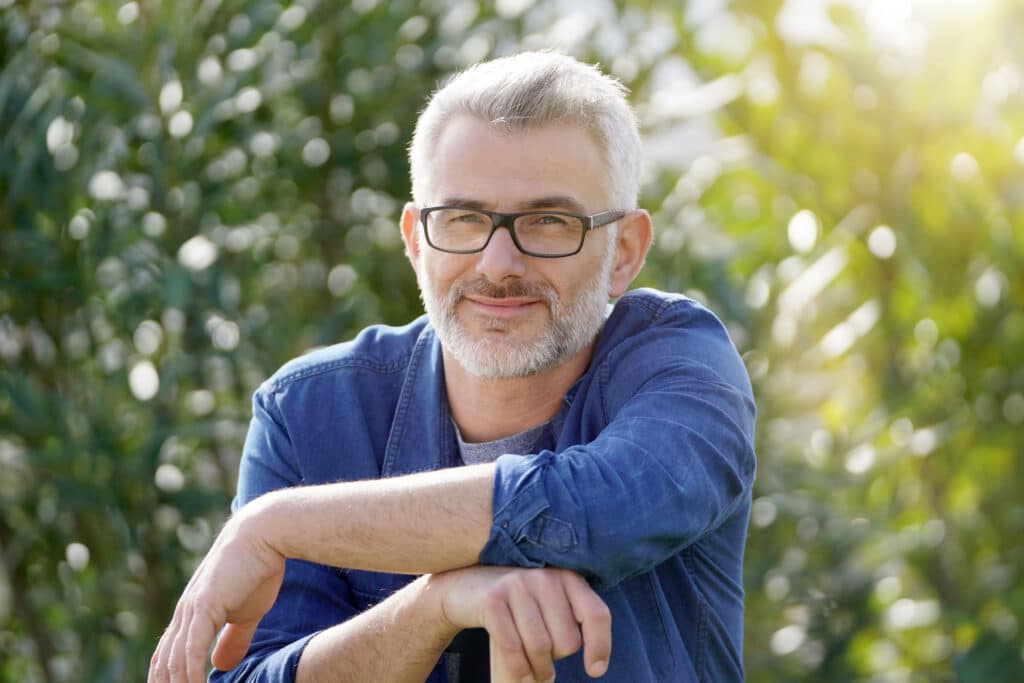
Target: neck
(489,409)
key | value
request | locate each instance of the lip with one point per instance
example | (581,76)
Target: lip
(504,308)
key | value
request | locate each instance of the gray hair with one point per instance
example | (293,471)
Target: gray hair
(529,90)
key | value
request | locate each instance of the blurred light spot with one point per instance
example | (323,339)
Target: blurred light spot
(758,289)
(286,248)
(901,431)
(180,124)
(812,280)
(787,639)
(154,224)
(127,623)
(248,100)
(807,528)
(860,459)
(143,380)
(292,17)
(883,656)
(128,12)
(242,59)
(363,6)
(173,320)
(882,242)
(78,227)
(512,8)
(106,186)
(888,589)
(864,97)
(263,144)
(341,278)
(65,158)
(342,108)
(926,332)
(1013,409)
(906,613)
(195,536)
(803,231)
(933,533)
(459,18)
(988,289)
(209,71)
(112,355)
(842,337)
(169,478)
(475,48)
(137,198)
(998,85)
(148,337)
(784,329)
(59,133)
(201,402)
(923,441)
(1018,152)
(414,28)
(762,87)
(819,448)
(77,556)
(763,512)
(815,70)
(776,587)
(964,167)
(316,152)
(225,334)
(171,96)
(197,253)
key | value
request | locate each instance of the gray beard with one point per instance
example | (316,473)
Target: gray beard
(497,356)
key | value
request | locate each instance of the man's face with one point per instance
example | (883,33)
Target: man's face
(500,313)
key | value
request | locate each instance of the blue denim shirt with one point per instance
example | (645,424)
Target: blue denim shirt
(646,492)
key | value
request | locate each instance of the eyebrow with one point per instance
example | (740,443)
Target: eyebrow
(553,202)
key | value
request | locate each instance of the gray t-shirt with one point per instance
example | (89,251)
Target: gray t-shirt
(467,659)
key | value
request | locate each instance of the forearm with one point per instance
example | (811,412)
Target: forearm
(421,523)
(399,640)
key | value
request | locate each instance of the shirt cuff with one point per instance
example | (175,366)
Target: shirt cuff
(524,533)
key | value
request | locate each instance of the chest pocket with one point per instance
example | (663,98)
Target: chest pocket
(370,588)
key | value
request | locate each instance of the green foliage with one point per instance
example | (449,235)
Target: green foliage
(195,192)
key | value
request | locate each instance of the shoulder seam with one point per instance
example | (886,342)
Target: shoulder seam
(278,383)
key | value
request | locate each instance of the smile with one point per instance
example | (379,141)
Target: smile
(501,308)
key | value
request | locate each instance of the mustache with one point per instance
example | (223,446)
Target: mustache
(518,289)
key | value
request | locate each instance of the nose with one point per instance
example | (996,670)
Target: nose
(501,259)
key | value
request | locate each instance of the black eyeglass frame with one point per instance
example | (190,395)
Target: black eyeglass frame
(507,220)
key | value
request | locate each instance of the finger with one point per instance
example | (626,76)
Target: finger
(502,629)
(177,668)
(157,671)
(197,645)
(558,616)
(533,633)
(232,644)
(596,620)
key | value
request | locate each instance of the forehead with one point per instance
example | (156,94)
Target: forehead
(506,169)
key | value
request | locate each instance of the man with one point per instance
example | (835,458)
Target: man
(608,456)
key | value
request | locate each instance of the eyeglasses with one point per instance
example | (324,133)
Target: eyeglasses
(547,234)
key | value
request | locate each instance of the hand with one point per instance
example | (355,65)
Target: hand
(236,584)
(533,617)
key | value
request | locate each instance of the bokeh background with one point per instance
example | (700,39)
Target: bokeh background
(196,191)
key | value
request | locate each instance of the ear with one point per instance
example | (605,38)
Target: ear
(410,232)
(631,245)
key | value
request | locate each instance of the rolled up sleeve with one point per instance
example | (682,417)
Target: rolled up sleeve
(674,460)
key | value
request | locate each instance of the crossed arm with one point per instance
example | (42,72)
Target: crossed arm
(431,523)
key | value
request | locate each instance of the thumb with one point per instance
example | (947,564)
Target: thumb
(232,644)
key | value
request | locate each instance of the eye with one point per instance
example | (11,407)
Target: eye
(550,219)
